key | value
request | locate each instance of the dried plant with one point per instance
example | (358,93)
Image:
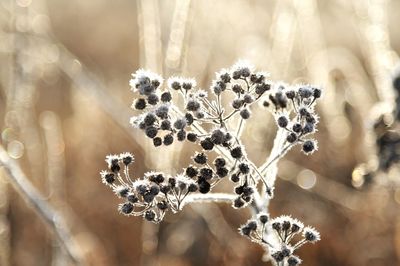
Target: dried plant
(385,124)
(215,123)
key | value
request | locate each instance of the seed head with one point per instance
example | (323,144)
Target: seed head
(166,96)
(245,113)
(127,158)
(162,205)
(200,158)
(239,190)
(303,111)
(305,92)
(309,146)
(150,215)
(132,198)
(165,125)
(141,189)
(206,173)
(219,162)
(282,121)
(207,144)
(308,128)
(293,261)
(188,84)
(290,94)
(263,218)
(286,225)
(149,119)
(222,171)
(237,103)
(224,76)
(235,178)
(311,235)
(172,181)
(151,132)
(252,225)
(107,178)
(192,187)
(237,88)
(174,83)
(126,208)
(181,135)
(278,256)
(193,105)
(276,226)
(192,137)
(247,191)
(245,230)
(247,98)
(157,141)
(238,203)
(200,115)
(217,136)
(148,197)
(140,104)
(261,88)
(162,111)
(189,118)
(204,186)
(244,168)
(218,89)
(153,99)
(121,191)
(168,139)
(180,123)
(191,171)
(165,188)
(237,152)
(286,251)
(236,74)
(155,177)
(297,127)
(291,138)
(317,93)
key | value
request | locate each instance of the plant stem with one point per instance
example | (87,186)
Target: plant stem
(210,197)
(50,216)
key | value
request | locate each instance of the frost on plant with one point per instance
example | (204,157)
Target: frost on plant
(214,121)
(278,236)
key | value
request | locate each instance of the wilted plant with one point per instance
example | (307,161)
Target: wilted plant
(386,120)
(215,123)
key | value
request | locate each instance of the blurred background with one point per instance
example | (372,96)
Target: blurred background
(64,73)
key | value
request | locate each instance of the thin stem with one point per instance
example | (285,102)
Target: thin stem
(210,105)
(210,197)
(127,174)
(279,155)
(239,128)
(230,115)
(299,244)
(32,196)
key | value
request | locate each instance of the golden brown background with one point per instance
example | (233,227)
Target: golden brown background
(64,72)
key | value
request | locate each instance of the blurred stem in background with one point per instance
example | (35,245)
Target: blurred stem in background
(52,218)
(151,58)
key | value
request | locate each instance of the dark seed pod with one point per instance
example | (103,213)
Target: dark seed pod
(207,144)
(166,97)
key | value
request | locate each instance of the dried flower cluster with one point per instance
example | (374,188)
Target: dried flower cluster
(214,122)
(284,229)
(150,196)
